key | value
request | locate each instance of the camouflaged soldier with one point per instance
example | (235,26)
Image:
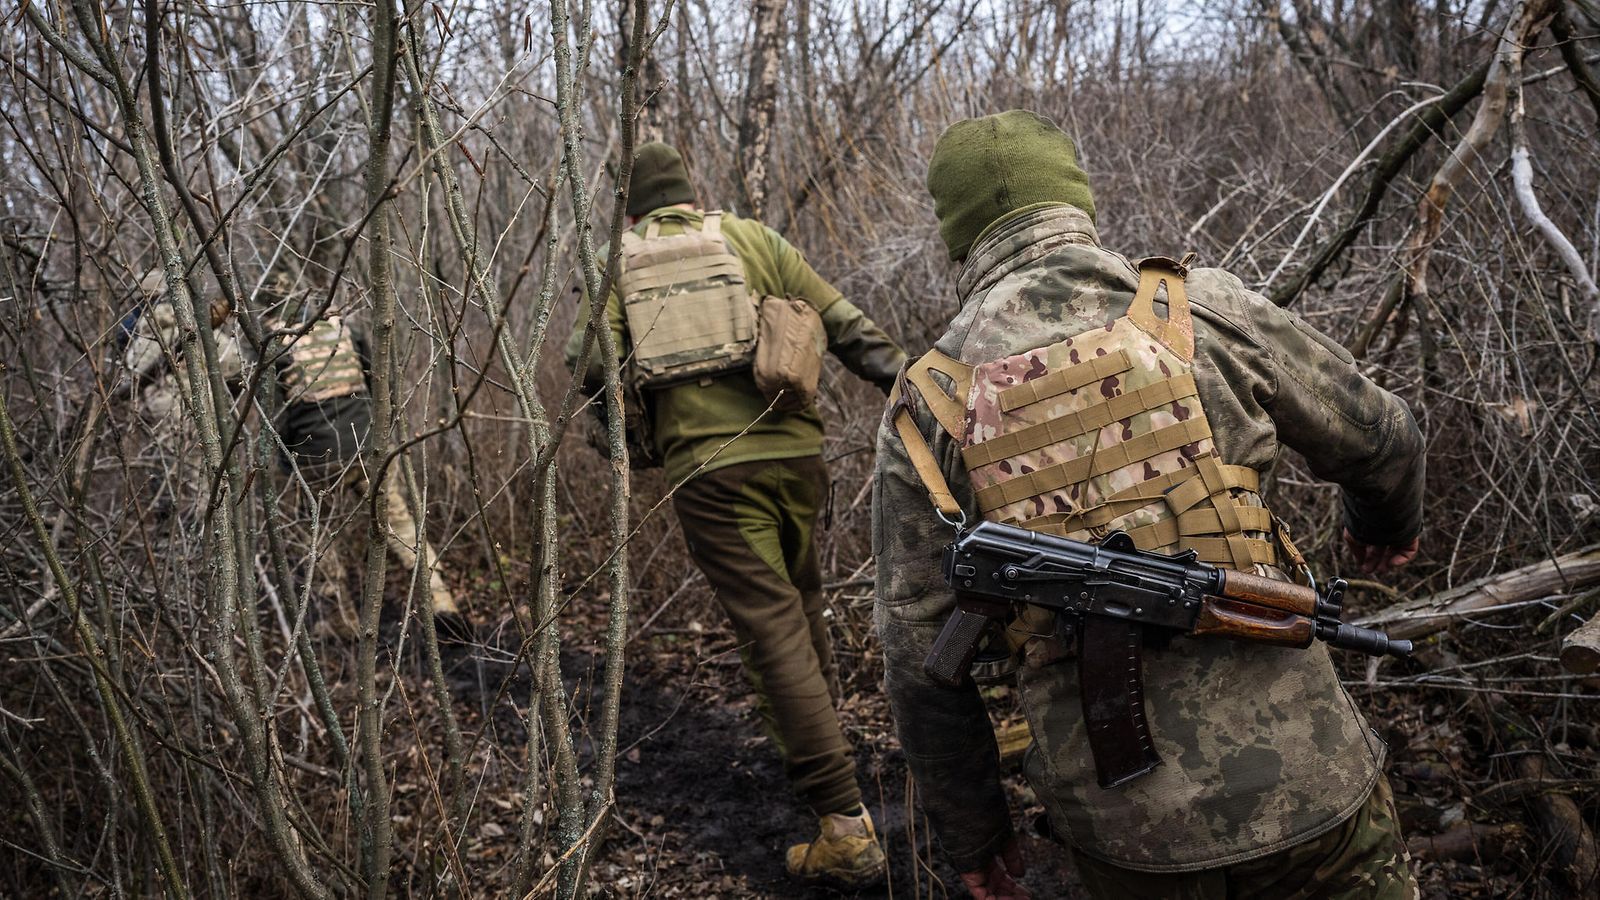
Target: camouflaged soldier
(159,381)
(750,480)
(1072,396)
(326,415)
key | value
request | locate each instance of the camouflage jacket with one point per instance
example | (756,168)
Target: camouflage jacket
(153,353)
(1262,747)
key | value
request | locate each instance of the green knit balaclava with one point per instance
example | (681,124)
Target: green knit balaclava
(659,179)
(984,169)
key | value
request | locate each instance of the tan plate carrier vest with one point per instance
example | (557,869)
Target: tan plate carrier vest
(689,312)
(1100,431)
(323,364)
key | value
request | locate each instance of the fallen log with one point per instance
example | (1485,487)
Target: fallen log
(1467,841)
(1580,650)
(1569,843)
(1426,615)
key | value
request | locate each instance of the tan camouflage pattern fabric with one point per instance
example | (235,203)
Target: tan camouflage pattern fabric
(1164,401)
(323,364)
(689,311)
(1363,859)
(1262,748)
(153,356)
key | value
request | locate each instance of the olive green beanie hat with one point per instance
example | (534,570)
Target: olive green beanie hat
(659,179)
(983,169)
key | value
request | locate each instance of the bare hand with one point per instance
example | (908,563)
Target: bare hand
(995,881)
(1378,559)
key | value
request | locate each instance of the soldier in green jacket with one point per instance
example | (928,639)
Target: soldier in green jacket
(326,415)
(1271,783)
(748,480)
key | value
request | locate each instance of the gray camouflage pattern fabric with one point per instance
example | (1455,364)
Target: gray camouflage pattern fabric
(1262,747)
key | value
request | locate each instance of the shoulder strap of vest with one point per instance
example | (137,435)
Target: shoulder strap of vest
(1176,331)
(950,413)
(950,408)
(712,223)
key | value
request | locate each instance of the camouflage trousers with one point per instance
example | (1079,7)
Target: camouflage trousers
(1365,858)
(750,530)
(349,548)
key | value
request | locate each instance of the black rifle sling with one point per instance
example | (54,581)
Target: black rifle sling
(1110,654)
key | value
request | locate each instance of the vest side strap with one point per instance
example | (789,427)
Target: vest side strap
(924,462)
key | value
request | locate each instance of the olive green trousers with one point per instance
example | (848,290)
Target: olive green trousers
(1365,858)
(750,529)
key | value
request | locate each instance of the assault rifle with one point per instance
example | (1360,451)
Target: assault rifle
(1105,595)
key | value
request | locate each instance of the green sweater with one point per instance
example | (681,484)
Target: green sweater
(697,427)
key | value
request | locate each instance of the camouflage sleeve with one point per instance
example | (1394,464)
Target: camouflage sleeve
(856,340)
(1350,431)
(945,733)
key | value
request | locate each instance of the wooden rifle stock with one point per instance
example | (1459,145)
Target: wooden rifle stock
(1221,617)
(1283,596)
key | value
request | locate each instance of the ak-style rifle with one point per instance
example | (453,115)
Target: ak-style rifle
(1104,596)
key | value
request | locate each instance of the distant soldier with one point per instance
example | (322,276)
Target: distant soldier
(324,423)
(152,349)
(1076,394)
(745,455)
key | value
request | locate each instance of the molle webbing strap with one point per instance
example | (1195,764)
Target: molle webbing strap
(1135,496)
(1227,551)
(1099,462)
(1200,522)
(950,409)
(1176,331)
(1069,379)
(1075,425)
(678,271)
(1184,497)
(324,364)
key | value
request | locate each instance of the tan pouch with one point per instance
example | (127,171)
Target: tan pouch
(789,344)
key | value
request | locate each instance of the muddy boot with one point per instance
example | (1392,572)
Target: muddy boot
(449,622)
(844,855)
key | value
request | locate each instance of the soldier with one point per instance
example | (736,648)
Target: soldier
(326,415)
(1119,410)
(159,381)
(749,476)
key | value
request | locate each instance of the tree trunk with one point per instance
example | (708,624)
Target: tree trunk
(1426,615)
(1580,650)
(760,103)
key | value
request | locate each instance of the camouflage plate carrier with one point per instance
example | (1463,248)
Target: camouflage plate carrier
(1098,432)
(688,310)
(323,364)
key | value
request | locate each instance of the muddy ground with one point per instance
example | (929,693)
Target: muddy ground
(704,810)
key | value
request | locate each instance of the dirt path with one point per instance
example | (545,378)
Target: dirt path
(703,797)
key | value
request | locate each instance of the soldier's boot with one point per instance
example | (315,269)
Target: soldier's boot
(845,853)
(448,621)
